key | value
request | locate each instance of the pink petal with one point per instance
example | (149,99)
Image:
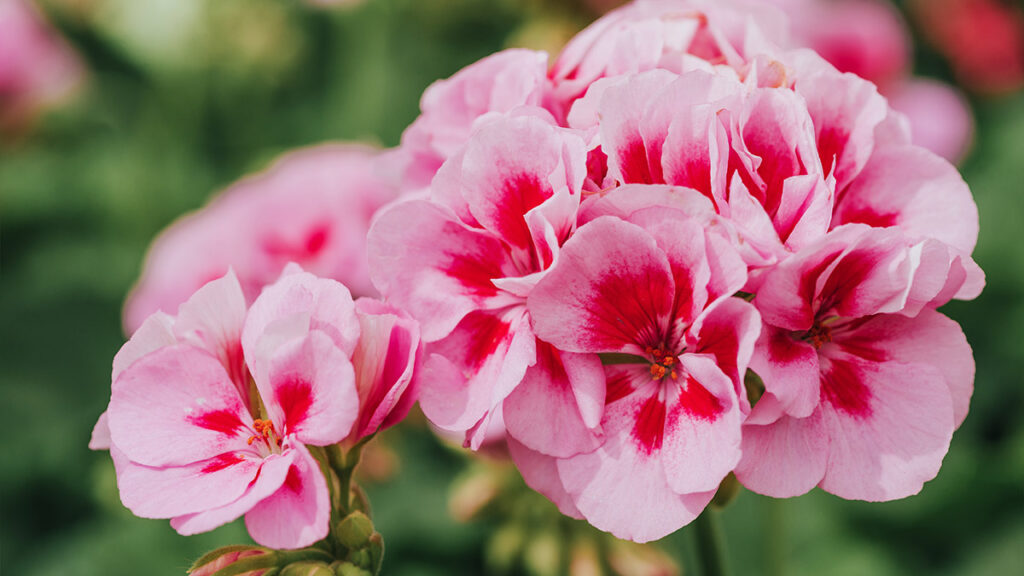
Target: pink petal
(632,158)
(702,429)
(845,109)
(728,332)
(622,486)
(553,410)
(514,164)
(930,338)
(916,190)
(310,391)
(155,332)
(540,472)
(269,478)
(939,115)
(890,425)
(786,458)
(178,490)
(612,291)
(297,514)
(100,439)
(426,262)
(212,319)
(789,370)
(476,367)
(302,302)
(176,406)
(385,362)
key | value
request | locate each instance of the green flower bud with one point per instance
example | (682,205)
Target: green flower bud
(354,530)
(307,569)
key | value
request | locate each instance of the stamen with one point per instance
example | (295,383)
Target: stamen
(264,432)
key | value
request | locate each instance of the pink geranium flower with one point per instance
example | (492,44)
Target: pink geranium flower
(862,391)
(650,287)
(37,68)
(463,260)
(312,207)
(212,412)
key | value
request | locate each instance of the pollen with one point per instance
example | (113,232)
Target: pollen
(663,363)
(264,432)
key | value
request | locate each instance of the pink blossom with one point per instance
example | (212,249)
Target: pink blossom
(651,288)
(670,34)
(37,68)
(211,411)
(862,392)
(982,39)
(463,260)
(869,38)
(312,206)
(450,108)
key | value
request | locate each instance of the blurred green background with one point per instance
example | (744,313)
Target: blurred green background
(185,96)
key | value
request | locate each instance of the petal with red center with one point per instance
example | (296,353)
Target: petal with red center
(789,369)
(702,427)
(476,367)
(385,362)
(889,424)
(785,458)
(310,390)
(622,487)
(298,513)
(426,262)
(916,190)
(929,338)
(176,406)
(178,490)
(728,332)
(513,165)
(612,291)
(633,156)
(271,476)
(556,410)
(212,319)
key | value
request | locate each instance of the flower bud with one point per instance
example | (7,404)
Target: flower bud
(349,569)
(307,569)
(220,558)
(354,530)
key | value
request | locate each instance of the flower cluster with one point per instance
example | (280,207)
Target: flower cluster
(684,250)
(221,410)
(681,252)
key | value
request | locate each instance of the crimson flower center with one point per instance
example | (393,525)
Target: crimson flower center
(662,363)
(265,434)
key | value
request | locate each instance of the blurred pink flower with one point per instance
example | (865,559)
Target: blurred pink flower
(982,39)
(869,38)
(312,206)
(37,68)
(211,411)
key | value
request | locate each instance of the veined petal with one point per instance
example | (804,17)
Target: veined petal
(385,362)
(271,475)
(176,406)
(611,292)
(553,410)
(785,458)
(298,513)
(166,492)
(476,367)
(789,369)
(890,425)
(310,390)
(426,262)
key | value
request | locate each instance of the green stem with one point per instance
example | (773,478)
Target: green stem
(710,544)
(775,537)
